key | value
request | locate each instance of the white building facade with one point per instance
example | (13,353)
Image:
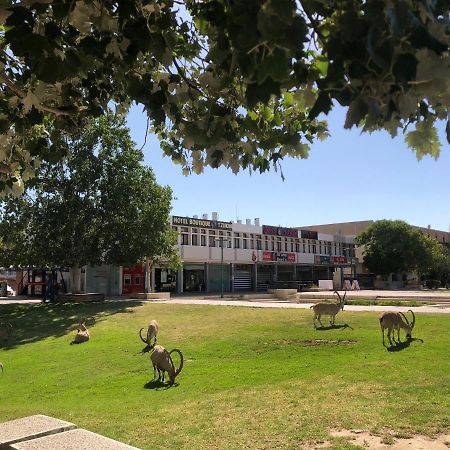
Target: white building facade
(221,256)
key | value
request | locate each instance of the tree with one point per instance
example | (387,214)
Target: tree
(99,205)
(393,246)
(233,83)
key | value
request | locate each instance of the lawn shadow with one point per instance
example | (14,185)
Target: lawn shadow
(158,385)
(32,323)
(334,327)
(399,346)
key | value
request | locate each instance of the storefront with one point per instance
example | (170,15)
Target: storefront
(133,279)
(194,278)
(165,280)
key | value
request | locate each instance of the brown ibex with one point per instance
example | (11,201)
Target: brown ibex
(394,321)
(6,330)
(82,332)
(152,332)
(328,309)
(162,362)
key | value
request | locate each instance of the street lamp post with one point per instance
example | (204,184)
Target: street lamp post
(221,240)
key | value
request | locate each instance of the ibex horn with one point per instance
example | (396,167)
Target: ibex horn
(406,319)
(337,293)
(343,300)
(142,339)
(177,371)
(414,318)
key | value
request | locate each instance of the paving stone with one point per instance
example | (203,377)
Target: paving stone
(29,428)
(77,439)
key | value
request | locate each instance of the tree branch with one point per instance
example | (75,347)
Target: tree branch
(12,87)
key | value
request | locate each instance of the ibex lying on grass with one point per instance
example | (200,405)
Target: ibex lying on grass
(162,362)
(6,330)
(82,333)
(152,331)
(394,321)
(328,309)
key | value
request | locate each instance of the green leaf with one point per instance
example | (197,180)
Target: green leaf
(424,140)
(256,93)
(355,113)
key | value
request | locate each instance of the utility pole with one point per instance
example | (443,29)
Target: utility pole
(221,240)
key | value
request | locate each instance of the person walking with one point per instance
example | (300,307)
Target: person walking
(49,289)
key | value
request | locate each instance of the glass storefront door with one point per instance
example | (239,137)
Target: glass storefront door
(194,278)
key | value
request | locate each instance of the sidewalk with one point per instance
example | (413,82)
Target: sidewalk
(307,299)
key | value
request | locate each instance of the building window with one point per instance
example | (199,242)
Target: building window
(195,239)
(244,240)
(127,279)
(237,242)
(314,248)
(184,236)
(278,244)
(203,240)
(258,244)
(297,246)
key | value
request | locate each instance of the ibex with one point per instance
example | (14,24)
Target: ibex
(162,362)
(152,332)
(394,321)
(328,309)
(82,333)
(6,330)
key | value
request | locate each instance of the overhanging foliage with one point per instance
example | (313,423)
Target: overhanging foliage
(234,83)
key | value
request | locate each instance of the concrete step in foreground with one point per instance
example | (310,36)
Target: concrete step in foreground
(41,432)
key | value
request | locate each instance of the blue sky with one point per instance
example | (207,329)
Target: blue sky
(346,178)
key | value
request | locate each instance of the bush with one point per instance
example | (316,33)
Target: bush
(433,284)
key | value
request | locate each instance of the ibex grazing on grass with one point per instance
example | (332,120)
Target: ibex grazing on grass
(162,362)
(82,333)
(328,309)
(6,330)
(394,321)
(152,332)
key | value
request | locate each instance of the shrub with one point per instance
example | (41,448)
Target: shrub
(433,284)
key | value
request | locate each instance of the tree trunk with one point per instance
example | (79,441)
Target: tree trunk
(75,278)
(148,275)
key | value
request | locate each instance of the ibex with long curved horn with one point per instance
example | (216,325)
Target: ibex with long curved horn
(152,332)
(394,321)
(328,309)
(82,332)
(162,362)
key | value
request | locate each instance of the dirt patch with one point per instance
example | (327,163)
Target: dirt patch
(315,342)
(365,439)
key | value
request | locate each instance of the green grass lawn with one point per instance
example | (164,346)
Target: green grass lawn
(252,378)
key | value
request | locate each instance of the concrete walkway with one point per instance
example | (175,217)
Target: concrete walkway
(441,300)
(40,432)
